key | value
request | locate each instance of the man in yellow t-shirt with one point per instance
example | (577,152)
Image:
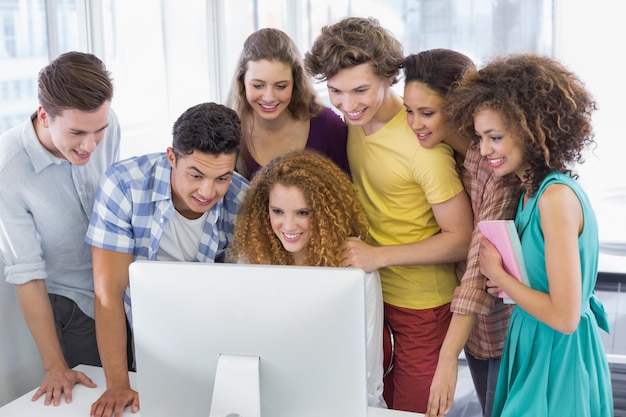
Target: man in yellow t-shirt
(420,217)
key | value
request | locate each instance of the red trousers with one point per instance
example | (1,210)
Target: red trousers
(418,335)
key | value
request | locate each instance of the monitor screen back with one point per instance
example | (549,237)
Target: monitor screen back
(306,324)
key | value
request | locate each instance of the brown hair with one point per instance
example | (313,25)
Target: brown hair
(74,80)
(275,46)
(437,69)
(546,105)
(354,41)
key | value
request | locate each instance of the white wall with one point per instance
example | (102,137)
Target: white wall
(20,366)
(590,39)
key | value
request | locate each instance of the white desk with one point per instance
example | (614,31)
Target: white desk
(84,397)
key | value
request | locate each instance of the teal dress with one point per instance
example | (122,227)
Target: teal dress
(545,372)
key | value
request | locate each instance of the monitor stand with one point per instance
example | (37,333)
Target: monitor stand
(236,389)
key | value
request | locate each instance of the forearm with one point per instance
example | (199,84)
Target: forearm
(456,337)
(446,247)
(37,311)
(548,308)
(110,274)
(111,336)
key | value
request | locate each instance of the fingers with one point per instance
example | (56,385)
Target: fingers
(135,403)
(52,394)
(437,407)
(38,393)
(113,402)
(85,380)
(55,387)
(67,390)
(107,409)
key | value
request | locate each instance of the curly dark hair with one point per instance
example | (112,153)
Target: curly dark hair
(208,128)
(546,105)
(354,41)
(336,212)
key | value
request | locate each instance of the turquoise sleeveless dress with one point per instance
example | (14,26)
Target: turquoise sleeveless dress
(544,372)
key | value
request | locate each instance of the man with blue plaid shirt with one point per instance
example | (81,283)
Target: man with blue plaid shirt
(175,206)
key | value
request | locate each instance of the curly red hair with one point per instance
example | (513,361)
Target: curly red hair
(335,211)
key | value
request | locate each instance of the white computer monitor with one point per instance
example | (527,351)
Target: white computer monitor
(306,327)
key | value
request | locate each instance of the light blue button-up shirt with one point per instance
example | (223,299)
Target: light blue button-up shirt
(45,205)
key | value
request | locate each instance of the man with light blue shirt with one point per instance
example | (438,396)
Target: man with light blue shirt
(175,206)
(50,167)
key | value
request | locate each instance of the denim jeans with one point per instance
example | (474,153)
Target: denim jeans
(485,377)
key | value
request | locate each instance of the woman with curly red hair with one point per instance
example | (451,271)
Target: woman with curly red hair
(532,117)
(300,209)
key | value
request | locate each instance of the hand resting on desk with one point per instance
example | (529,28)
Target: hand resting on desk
(113,402)
(57,383)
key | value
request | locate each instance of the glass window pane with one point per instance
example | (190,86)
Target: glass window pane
(24,51)
(158,55)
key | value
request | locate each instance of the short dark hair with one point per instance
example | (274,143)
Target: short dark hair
(74,80)
(208,128)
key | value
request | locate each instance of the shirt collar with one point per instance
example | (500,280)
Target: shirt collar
(39,156)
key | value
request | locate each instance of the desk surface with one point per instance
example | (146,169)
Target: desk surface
(84,397)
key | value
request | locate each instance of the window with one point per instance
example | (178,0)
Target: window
(167,55)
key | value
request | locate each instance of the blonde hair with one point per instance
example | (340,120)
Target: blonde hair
(335,211)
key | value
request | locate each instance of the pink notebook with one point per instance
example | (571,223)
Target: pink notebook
(503,235)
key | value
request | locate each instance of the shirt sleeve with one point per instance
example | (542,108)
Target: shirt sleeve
(435,170)
(20,249)
(110,226)
(498,201)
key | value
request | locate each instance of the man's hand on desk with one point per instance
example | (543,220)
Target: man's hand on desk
(60,382)
(113,402)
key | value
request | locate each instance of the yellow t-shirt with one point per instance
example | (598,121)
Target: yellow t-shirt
(398,180)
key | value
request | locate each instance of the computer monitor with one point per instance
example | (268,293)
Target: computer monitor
(303,327)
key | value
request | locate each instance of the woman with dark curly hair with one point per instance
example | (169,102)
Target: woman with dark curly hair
(532,117)
(300,209)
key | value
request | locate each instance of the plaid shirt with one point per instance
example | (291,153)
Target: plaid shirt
(493,198)
(134,203)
